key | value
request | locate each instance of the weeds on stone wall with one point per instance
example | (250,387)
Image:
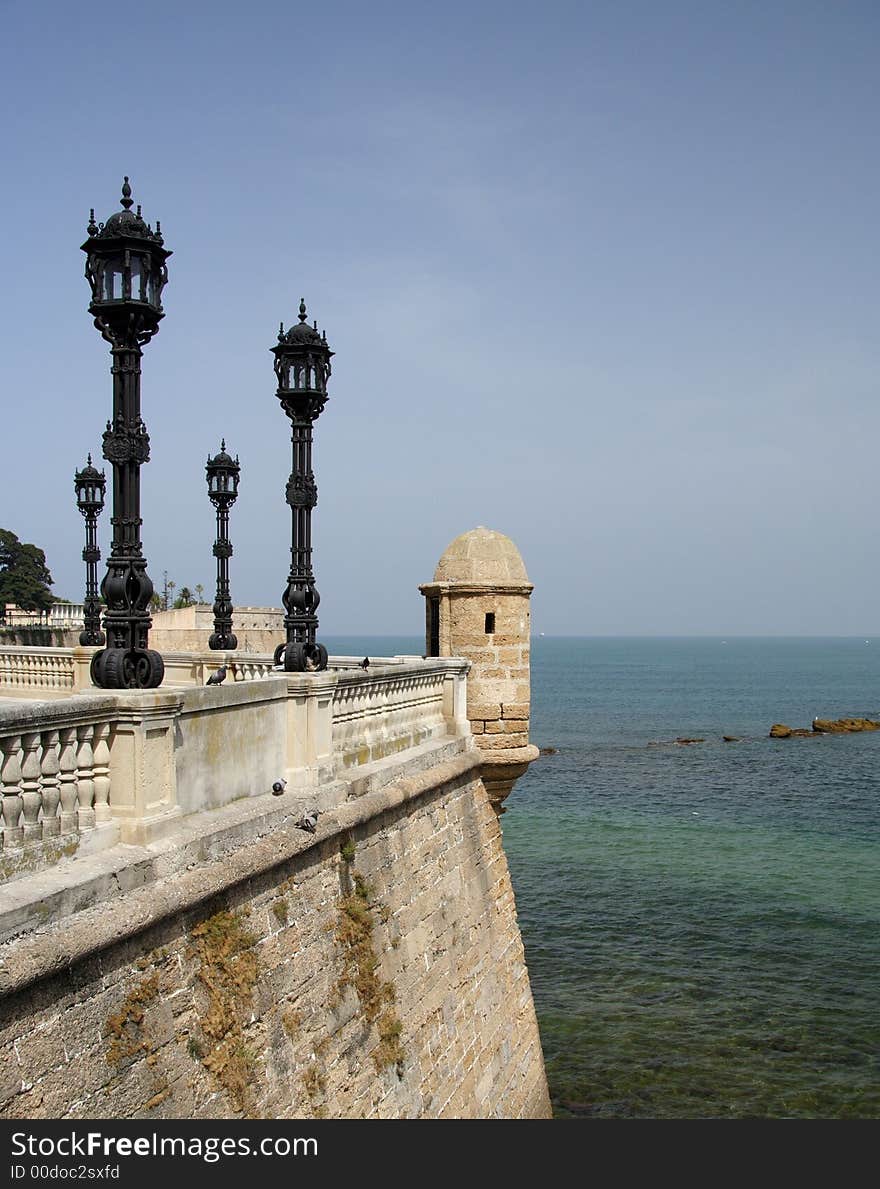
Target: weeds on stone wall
(127,1032)
(314,1080)
(356,920)
(348,850)
(125,1029)
(228,970)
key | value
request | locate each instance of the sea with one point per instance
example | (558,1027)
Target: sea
(701,920)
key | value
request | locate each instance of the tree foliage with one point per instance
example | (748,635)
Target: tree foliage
(24,575)
(185,598)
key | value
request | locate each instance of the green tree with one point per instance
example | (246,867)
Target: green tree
(200,590)
(24,575)
(184,599)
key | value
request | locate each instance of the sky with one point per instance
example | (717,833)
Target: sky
(600,276)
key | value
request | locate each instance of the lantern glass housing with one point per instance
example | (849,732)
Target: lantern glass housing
(125,262)
(90,485)
(222,472)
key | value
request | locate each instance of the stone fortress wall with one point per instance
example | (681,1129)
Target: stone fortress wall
(373,970)
(259,629)
(174,944)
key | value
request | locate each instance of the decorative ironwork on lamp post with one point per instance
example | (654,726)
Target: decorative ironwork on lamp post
(125,266)
(302,365)
(89,485)
(222,473)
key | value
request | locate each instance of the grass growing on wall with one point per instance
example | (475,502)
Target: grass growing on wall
(124,1029)
(228,971)
(356,921)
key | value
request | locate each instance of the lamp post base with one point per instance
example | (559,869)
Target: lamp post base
(223,642)
(301,658)
(125,668)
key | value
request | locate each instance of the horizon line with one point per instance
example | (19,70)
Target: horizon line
(639,635)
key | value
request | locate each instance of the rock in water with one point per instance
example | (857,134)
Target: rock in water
(841,726)
(824,726)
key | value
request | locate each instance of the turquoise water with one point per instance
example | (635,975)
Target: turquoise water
(701,923)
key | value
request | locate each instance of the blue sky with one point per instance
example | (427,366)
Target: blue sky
(601,276)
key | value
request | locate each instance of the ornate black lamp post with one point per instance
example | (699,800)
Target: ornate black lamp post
(302,365)
(125,267)
(223,476)
(89,484)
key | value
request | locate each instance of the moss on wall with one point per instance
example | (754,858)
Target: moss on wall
(356,922)
(227,970)
(124,1030)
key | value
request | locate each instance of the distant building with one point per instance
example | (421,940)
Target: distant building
(61,615)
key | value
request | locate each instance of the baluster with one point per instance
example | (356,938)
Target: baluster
(101,751)
(49,769)
(31,801)
(68,780)
(85,785)
(10,783)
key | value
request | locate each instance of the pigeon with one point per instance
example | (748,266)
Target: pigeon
(309,821)
(278,787)
(217,678)
(365,663)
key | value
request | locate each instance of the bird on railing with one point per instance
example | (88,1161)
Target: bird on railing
(217,678)
(365,663)
(278,787)
(309,821)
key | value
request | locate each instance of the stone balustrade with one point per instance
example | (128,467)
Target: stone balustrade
(58,672)
(40,672)
(390,708)
(102,767)
(54,777)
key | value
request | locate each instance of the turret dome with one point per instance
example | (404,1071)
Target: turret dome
(481,555)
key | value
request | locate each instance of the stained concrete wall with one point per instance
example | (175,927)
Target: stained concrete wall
(246,967)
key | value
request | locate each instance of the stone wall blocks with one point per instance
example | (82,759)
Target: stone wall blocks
(433,855)
(484,710)
(42,1051)
(504,742)
(11,1079)
(511,658)
(515,710)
